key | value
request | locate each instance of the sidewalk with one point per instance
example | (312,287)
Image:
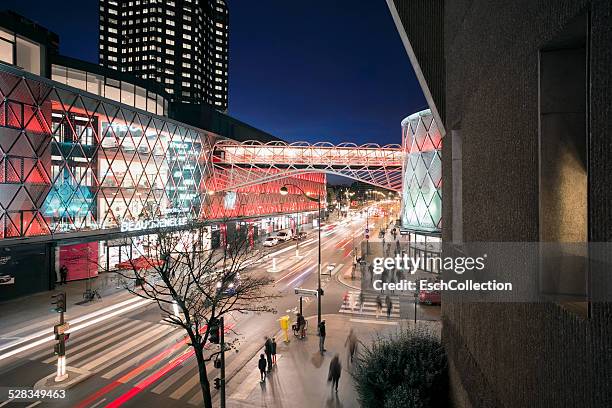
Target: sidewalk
(300,377)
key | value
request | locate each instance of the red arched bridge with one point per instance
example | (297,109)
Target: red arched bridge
(237,165)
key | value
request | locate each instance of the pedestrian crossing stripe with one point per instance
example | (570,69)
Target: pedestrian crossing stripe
(369,305)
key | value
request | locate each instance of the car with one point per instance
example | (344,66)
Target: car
(283,236)
(430,297)
(270,242)
(299,236)
(231,287)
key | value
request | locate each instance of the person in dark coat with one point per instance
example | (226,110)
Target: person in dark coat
(322,336)
(262,367)
(335,369)
(351,342)
(268,351)
(63,274)
(301,325)
(273,351)
(389,304)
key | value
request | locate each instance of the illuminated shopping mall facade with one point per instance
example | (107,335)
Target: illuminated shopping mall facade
(422,175)
(90,157)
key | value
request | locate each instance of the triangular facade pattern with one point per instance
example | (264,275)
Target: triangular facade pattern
(422,182)
(73,162)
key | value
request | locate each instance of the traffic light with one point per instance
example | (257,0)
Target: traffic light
(59,301)
(217,383)
(213,331)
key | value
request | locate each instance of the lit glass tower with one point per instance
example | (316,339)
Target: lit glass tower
(181,44)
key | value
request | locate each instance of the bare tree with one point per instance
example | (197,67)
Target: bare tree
(204,284)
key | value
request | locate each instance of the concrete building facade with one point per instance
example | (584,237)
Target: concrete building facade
(526,158)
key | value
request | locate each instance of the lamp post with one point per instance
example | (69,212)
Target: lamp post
(284,191)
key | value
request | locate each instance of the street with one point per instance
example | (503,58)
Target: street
(127,356)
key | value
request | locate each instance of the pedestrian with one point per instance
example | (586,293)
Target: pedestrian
(352,301)
(351,342)
(322,336)
(301,325)
(268,351)
(335,369)
(389,306)
(63,274)
(378,306)
(361,302)
(262,368)
(273,351)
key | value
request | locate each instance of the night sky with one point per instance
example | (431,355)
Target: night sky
(318,71)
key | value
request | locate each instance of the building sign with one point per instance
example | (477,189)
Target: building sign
(127,226)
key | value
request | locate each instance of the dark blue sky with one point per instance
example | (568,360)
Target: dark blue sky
(318,71)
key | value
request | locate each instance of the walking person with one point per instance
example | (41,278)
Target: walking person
(262,368)
(352,301)
(361,302)
(268,351)
(389,304)
(351,342)
(335,369)
(378,306)
(63,274)
(273,351)
(322,336)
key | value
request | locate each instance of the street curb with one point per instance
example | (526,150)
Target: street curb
(49,383)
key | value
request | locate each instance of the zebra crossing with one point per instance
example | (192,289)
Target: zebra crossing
(369,305)
(133,349)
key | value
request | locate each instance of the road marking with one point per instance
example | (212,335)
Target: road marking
(74,329)
(78,352)
(144,356)
(6,402)
(150,337)
(34,404)
(176,376)
(187,385)
(72,322)
(369,321)
(98,403)
(118,351)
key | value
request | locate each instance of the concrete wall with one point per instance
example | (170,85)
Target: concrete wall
(522,355)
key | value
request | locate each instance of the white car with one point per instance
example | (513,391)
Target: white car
(283,236)
(270,242)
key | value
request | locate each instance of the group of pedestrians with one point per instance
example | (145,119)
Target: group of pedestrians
(268,359)
(350,299)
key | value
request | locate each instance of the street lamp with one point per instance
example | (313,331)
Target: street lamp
(284,191)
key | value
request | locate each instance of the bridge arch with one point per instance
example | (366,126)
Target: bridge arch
(241,164)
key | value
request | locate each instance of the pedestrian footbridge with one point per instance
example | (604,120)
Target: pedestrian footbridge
(241,164)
